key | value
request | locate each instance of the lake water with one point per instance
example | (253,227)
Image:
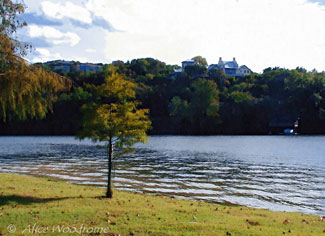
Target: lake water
(283,173)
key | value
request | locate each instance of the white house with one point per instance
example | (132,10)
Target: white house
(231,68)
(244,70)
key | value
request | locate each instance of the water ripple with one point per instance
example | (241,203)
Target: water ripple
(218,169)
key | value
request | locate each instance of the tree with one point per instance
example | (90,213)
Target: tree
(200,60)
(25,91)
(198,111)
(179,110)
(204,106)
(10,46)
(114,118)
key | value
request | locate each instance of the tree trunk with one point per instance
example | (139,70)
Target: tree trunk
(109,193)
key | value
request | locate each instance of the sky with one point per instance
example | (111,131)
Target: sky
(258,33)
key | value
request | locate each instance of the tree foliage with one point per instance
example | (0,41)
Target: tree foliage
(113,114)
(200,60)
(113,117)
(25,91)
(10,48)
(200,113)
(178,101)
(29,92)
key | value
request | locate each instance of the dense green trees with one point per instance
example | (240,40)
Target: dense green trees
(199,101)
(200,114)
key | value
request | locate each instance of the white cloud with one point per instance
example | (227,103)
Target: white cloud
(56,36)
(44,55)
(68,9)
(259,33)
(90,50)
(68,38)
(77,58)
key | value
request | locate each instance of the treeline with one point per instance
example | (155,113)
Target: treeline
(197,101)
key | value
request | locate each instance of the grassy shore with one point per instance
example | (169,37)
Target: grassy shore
(46,206)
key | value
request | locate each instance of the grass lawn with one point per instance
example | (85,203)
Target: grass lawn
(45,206)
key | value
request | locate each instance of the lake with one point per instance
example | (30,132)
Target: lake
(284,173)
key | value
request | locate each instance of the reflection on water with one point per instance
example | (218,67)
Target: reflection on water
(275,172)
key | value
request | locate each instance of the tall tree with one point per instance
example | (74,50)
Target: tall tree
(204,106)
(113,117)
(25,91)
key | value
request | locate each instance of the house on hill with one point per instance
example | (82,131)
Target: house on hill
(68,66)
(88,67)
(231,68)
(187,63)
(65,66)
(184,65)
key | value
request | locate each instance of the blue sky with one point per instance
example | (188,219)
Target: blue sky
(318,1)
(259,33)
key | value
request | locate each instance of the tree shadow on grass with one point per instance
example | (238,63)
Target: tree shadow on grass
(26,200)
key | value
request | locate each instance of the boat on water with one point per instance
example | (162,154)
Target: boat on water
(294,130)
(286,128)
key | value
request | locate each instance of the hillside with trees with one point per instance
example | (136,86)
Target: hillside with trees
(196,101)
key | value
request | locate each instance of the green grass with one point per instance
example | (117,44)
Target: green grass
(44,203)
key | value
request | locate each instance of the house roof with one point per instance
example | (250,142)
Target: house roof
(188,61)
(178,70)
(244,67)
(230,65)
(213,66)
